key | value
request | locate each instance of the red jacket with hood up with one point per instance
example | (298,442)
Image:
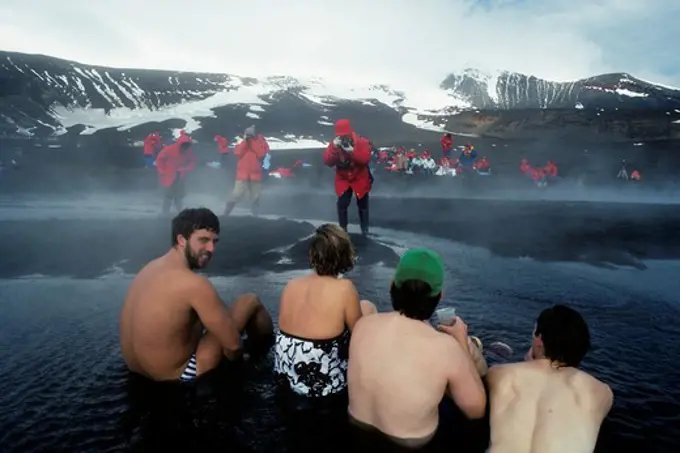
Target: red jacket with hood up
(222,144)
(447,143)
(353,171)
(172,162)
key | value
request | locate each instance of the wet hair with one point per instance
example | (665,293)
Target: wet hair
(331,252)
(564,333)
(192,219)
(412,299)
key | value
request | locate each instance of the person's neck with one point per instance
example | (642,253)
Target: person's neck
(554,364)
(177,256)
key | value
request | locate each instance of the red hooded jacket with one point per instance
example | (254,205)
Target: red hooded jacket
(447,143)
(222,144)
(250,153)
(353,172)
(172,162)
(151,142)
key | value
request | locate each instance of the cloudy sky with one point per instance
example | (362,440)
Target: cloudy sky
(395,41)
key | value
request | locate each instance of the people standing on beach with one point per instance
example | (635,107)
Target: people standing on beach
(317,314)
(249,153)
(350,154)
(173,324)
(546,403)
(400,367)
(173,164)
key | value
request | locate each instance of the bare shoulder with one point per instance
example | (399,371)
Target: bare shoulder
(345,285)
(197,283)
(366,322)
(446,345)
(496,372)
(602,392)
(344,291)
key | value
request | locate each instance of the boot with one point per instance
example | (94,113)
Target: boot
(342,218)
(255,207)
(229,207)
(363,221)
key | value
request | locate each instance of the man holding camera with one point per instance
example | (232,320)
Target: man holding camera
(350,154)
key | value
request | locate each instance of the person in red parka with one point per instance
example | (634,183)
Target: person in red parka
(447,144)
(173,164)
(350,154)
(249,153)
(223,148)
(151,144)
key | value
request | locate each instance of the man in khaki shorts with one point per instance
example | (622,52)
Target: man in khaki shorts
(250,153)
(251,188)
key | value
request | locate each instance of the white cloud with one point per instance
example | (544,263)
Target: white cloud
(403,41)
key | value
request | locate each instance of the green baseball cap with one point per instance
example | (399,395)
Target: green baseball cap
(421,264)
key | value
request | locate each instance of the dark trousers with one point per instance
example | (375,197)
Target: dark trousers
(174,194)
(343,204)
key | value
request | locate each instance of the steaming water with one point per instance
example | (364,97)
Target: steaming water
(63,384)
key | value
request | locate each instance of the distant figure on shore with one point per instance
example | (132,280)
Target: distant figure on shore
(223,149)
(151,144)
(173,164)
(350,154)
(249,153)
(447,144)
(547,404)
(173,324)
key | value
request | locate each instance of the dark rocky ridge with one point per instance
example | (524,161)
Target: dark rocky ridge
(611,107)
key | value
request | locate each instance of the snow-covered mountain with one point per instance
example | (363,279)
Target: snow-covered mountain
(507,90)
(43,97)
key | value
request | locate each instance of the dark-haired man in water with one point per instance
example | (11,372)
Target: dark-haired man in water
(173,325)
(400,367)
(546,404)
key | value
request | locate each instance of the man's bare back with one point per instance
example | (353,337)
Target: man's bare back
(159,330)
(545,404)
(399,370)
(537,408)
(173,324)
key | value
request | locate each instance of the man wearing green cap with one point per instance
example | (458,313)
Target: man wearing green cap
(389,352)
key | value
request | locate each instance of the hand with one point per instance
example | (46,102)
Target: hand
(337,142)
(459,331)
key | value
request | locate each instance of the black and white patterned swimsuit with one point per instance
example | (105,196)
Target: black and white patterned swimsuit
(313,368)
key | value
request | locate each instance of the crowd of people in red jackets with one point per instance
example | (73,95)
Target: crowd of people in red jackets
(348,153)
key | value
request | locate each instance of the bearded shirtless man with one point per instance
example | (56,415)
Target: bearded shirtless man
(546,404)
(173,325)
(400,367)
